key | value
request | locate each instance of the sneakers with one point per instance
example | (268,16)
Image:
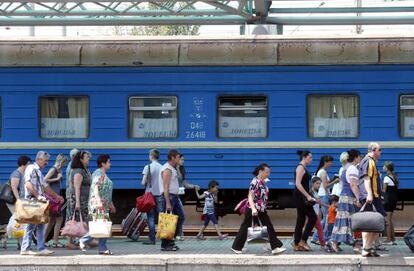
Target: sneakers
(179,238)
(278,250)
(82,246)
(223,236)
(236,251)
(27,252)
(149,242)
(315,242)
(200,237)
(45,252)
(169,248)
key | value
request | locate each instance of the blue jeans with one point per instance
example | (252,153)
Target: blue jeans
(177,209)
(101,242)
(151,215)
(40,236)
(325,200)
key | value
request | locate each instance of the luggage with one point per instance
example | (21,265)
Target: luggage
(32,211)
(367,221)
(409,238)
(146,202)
(134,224)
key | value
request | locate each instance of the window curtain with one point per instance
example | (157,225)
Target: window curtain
(152,123)
(49,108)
(336,111)
(407,122)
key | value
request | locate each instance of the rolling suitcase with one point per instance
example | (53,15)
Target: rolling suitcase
(126,223)
(137,226)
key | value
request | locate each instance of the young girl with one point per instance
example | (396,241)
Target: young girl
(316,184)
(391,198)
(209,212)
(54,179)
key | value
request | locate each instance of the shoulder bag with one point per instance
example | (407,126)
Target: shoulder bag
(6,193)
(146,202)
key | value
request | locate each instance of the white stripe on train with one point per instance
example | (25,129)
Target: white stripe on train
(203,145)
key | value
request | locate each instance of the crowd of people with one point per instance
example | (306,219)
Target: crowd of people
(324,205)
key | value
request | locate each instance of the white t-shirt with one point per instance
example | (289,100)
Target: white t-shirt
(316,206)
(388,181)
(157,187)
(352,173)
(174,184)
(322,172)
(337,188)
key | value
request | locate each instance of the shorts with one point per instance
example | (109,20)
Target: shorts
(210,217)
(378,206)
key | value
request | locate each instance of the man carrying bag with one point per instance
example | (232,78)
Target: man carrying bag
(35,203)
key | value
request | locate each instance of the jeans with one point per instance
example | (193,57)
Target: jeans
(101,242)
(151,215)
(325,200)
(177,209)
(40,236)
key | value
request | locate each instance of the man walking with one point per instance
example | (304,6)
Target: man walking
(152,182)
(169,177)
(371,194)
(35,187)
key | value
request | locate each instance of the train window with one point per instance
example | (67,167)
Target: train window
(332,116)
(242,116)
(153,117)
(407,115)
(64,117)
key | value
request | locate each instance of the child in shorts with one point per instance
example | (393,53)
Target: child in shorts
(209,212)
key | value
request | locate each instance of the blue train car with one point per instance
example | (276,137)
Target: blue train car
(226,120)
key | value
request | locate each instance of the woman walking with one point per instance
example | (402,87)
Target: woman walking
(100,201)
(184,184)
(79,187)
(304,202)
(348,203)
(54,179)
(258,196)
(390,200)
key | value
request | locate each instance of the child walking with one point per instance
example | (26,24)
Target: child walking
(333,201)
(209,211)
(316,184)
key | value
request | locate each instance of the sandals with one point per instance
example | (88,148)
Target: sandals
(57,245)
(106,252)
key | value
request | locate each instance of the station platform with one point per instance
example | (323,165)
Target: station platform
(211,254)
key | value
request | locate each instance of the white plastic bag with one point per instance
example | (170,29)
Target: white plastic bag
(15,229)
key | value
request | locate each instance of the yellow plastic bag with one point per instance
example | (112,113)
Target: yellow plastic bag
(167,224)
(15,229)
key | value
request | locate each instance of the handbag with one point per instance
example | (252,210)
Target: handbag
(367,221)
(241,207)
(32,211)
(409,238)
(74,228)
(257,234)
(167,225)
(146,202)
(6,193)
(100,228)
(55,205)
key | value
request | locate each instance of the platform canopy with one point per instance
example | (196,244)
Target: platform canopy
(206,12)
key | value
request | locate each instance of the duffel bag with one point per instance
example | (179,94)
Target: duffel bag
(367,221)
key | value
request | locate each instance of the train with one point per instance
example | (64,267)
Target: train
(226,104)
